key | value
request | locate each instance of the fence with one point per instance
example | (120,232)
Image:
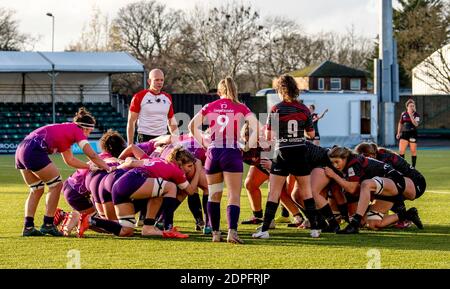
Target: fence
(434,111)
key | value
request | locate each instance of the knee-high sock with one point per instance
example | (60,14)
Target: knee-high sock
(161,213)
(205,209)
(170,204)
(195,206)
(233,216)
(214,215)
(399,208)
(414,160)
(328,214)
(269,214)
(311,213)
(107,225)
(343,209)
(284,212)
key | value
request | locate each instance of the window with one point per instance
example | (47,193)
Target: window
(365,117)
(335,84)
(355,84)
(320,83)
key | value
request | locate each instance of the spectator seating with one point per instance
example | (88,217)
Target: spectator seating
(19,119)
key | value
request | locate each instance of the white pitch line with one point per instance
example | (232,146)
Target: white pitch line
(438,192)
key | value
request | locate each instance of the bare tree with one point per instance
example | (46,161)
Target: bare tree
(95,35)
(348,49)
(147,28)
(223,42)
(10,37)
(434,71)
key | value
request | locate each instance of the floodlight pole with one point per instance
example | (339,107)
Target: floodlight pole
(53,30)
(386,72)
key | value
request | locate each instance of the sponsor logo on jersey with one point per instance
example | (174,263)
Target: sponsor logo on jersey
(351,172)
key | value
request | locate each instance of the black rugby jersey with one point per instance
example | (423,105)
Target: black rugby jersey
(360,168)
(406,122)
(294,119)
(317,156)
(398,163)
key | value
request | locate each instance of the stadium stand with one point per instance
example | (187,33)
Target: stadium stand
(19,119)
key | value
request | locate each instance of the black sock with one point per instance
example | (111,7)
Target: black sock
(284,212)
(343,209)
(107,225)
(269,214)
(414,160)
(143,212)
(258,214)
(29,222)
(195,206)
(205,209)
(311,213)
(403,156)
(48,220)
(170,205)
(356,220)
(149,222)
(328,214)
(399,208)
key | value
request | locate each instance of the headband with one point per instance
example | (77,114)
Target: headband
(85,125)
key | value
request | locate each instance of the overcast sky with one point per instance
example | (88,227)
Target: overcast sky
(70,15)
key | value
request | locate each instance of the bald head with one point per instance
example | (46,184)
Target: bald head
(156,80)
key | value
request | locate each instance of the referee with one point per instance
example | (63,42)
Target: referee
(153,110)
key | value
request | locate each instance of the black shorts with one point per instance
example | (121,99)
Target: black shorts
(399,181)
(410,136)
(400,184)
(145,137)
(420,184)
(291,161)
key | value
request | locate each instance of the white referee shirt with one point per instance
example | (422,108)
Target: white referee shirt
(154,112)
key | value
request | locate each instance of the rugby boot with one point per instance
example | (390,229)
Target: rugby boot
(413,215)
(351,228)
(83,225)
(59,216)
(50,230)
(233,237)
(252,221)
(31,232)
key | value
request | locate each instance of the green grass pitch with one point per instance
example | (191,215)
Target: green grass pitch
(287,247)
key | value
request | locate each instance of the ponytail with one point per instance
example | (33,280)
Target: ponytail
(228,88)
(84,119)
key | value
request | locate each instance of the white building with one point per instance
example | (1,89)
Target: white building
(351,117)
(432,76)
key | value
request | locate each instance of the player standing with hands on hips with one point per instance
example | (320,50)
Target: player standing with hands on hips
(224,162)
